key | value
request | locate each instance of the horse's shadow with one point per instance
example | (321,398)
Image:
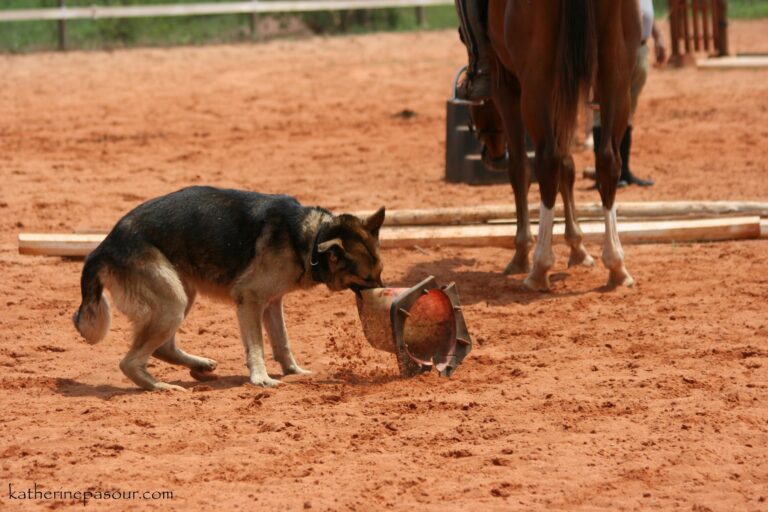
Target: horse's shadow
(490,287)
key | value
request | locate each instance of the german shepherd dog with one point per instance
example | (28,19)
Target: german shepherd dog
(243,247)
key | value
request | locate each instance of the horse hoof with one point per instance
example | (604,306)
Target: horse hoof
(537,285)
(515,267)
(620,277)
(581,258)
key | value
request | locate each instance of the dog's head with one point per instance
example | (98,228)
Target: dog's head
(348,252)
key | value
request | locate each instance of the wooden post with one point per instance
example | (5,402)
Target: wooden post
(686,28)
(674,31)
(721,42)
(62,29)
(392,19)
(253,23)
(695,16)
(421,16)
(706,19)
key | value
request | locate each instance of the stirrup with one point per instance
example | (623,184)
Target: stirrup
(461,101)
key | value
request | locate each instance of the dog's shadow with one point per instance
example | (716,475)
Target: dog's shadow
(72,388)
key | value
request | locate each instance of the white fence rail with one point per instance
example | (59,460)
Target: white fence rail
(252,7)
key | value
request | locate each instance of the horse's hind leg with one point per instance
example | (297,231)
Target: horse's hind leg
(536,111)
(618,28)
(573,234)
(507,99)
(547,166)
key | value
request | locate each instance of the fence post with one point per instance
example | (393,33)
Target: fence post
(253,23)
(421,16)
(674,31)
(62,29)
(721,42)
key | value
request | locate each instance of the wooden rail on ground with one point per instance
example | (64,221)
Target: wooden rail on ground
(735,63)
(482,235)
(625,210)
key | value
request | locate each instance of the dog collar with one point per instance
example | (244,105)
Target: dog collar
(316,265)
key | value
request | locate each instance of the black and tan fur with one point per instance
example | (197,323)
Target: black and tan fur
(244,247)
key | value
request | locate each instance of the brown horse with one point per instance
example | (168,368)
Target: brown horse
(547,53)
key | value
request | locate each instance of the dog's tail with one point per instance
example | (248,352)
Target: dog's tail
(94,316)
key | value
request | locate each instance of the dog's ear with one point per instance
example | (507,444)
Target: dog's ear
(374,222)
(329,245)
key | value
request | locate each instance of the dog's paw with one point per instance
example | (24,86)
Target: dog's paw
(264,381)
(203,376)
(205,365)
(164,386)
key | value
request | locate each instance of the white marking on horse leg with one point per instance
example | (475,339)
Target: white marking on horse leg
(543,256)
(613,253)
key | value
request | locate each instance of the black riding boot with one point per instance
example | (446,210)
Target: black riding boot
(626,175)
(477,82)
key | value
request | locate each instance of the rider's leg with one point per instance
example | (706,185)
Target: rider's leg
(473,15)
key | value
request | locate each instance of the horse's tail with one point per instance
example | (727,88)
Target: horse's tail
(93,317)
(574,68)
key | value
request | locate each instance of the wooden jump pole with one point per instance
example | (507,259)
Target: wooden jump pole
(483,235)
(503,235)
(627,210)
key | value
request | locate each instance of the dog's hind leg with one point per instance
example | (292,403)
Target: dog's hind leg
(153,296)
(146,341)
(200,367)
(249,315)
(278,338)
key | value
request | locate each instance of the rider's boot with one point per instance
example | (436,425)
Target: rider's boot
(476,85)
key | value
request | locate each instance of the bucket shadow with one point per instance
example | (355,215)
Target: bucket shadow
(350,378)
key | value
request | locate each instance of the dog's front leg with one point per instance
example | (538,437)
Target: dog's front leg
(249,314)
(278,337)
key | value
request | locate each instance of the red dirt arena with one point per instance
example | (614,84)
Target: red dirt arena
(580,399)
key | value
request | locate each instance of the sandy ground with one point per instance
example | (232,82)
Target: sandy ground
(579,399)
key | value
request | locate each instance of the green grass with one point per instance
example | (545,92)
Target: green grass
(192,30)
(189,30)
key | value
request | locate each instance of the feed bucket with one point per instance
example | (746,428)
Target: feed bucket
(422,325)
